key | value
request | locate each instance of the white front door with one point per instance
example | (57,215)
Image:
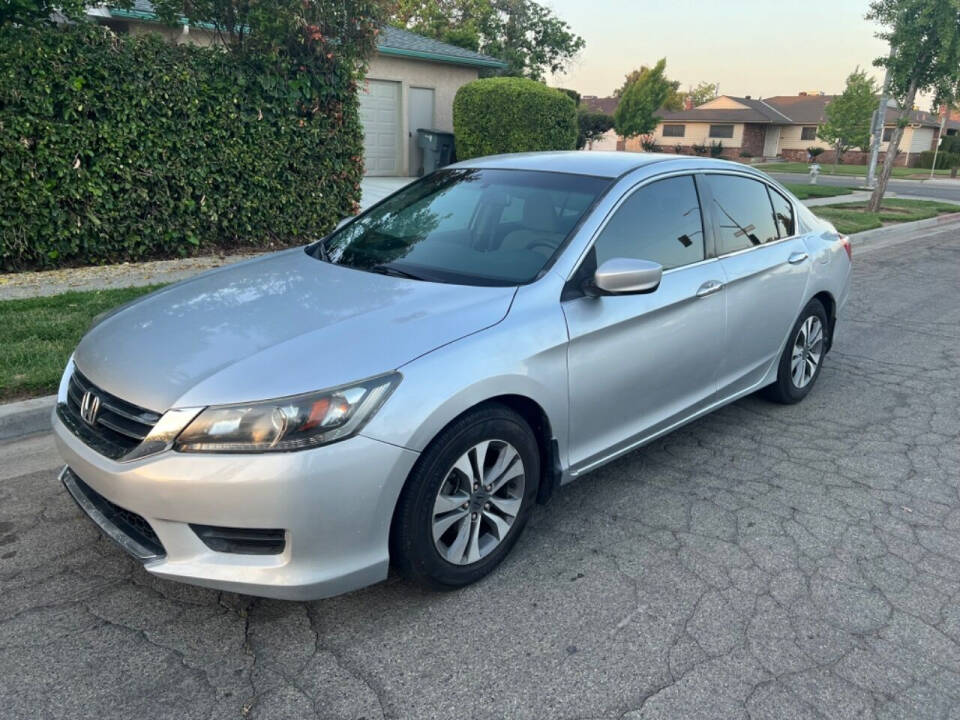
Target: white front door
(771,141)
(380,116)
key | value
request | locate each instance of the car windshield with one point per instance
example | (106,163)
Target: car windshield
(466,226)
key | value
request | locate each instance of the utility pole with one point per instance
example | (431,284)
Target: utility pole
(936,148)
(876,129)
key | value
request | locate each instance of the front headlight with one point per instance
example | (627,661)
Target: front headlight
(292,423)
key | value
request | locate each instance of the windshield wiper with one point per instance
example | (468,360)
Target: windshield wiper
(395,272)
(322,249)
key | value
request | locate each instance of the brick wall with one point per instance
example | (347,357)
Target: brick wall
(851,157)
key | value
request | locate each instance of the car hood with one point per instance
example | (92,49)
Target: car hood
(278,325)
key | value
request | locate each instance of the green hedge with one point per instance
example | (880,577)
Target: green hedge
(505,115)
(945,160)
(120,148)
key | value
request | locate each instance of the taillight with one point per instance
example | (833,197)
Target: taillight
(845,241)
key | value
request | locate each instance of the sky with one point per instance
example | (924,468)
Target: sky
(750,47)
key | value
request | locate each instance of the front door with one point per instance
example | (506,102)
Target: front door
(420,115)
(766,267)
(639,363)
(771,141)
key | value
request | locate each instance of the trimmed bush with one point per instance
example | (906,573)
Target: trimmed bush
(950,144)
(507,115)
(120,148)
(945,160)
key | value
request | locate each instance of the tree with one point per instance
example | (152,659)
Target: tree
(290,29)
(35,12)
(674,100)
(924,37)
(848,116)
(524,34)
(593,125)
(636,113)
(703,92)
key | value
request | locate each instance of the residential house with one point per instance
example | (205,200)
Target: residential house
(780,127)
(410,84)
(610,139)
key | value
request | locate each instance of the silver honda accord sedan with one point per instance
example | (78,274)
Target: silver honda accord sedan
(405,390)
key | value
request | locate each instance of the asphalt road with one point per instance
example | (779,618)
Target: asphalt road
(903,188)
(763,562)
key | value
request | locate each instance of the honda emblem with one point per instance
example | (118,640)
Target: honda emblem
(89,407)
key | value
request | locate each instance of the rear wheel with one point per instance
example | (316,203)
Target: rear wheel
(467,500)
(802,357)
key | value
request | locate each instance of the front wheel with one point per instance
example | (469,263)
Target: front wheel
(802,357)
(467,499)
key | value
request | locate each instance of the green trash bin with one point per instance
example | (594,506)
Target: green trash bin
(437,146)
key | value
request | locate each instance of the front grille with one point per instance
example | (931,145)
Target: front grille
(119,427)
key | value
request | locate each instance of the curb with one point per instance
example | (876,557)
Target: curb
(26,417)
(905,228)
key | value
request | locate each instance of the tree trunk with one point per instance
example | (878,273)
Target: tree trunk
(836,157)
(892,148)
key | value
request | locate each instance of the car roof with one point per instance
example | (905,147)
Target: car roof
(596,163)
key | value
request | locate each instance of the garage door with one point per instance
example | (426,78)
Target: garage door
(380,115)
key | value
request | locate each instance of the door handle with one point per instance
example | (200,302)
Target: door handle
(797,258)
(709,288)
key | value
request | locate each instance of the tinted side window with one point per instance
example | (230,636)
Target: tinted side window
(743,213)
(783,214)
(659,222)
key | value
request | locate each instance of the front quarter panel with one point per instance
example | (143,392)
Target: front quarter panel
(525,355)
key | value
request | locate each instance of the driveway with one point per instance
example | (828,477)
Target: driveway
(375,189)
(763,562)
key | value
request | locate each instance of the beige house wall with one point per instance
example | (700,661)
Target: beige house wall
(698,134)
(722,103)
(790,139)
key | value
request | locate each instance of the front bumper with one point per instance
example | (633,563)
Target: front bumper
(335,503)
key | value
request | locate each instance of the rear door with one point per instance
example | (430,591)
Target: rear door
(638,363)
(766,265)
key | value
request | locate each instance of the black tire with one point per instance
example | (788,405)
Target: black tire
(785,390)
(412,548)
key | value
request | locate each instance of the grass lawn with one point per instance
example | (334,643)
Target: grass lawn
(37,336)
(804,192)
(827,169)
(853,217)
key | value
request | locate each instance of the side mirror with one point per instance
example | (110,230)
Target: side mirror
(627,276)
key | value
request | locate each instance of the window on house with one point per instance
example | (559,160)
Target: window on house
(887,134)
(809,133)
(721,131)
(674,130)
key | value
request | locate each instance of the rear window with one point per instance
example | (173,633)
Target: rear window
(743,212)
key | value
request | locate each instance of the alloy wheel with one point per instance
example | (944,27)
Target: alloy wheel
(478,502)
(807,352)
